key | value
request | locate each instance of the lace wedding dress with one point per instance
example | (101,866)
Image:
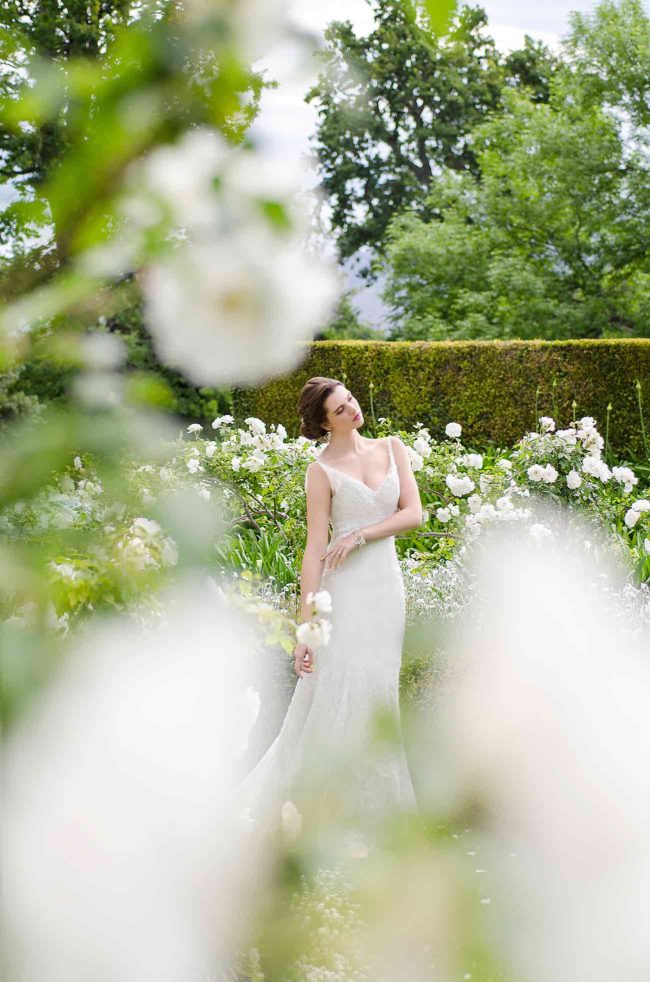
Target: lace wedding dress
(331,714)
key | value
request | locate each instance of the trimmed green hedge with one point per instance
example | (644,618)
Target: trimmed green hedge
(495,389)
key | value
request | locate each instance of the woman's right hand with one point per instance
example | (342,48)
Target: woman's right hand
(303,658)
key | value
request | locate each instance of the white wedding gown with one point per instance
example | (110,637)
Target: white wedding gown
(355,674)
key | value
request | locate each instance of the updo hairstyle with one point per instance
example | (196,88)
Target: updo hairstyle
(311,406)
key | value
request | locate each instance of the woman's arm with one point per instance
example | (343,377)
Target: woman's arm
(409,515)
(319,495)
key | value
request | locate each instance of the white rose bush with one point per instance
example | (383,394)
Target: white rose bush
(254,475)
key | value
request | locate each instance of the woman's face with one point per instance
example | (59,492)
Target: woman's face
(343,411)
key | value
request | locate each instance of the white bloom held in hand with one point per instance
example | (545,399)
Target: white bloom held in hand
(453,430)
(315,634)
(322,601)
(459,485)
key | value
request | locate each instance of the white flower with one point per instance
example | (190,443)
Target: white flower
(459,485)
(473,460)
(596,468)
(255,425)
(550,474)
(454,510)
(146,526)
(474,503)
(626,477)
(422,447)
(165,474)
(539,532)
(314,633)
(587,423)
(255,462)
(547,424)
(245,299)
(222,421)
(193,465)
(425,516)
(210,448)
(646,545)
(322,601)
(194,428)
(573,480)
(443,514)
(593,443)
(77,463)
(631,518)
(642,504)
(504,503)
(504,464)
(536,472)
(453,430)
(415,460)
(567,436)
(235,463)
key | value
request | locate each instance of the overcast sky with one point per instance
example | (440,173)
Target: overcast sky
(286,122)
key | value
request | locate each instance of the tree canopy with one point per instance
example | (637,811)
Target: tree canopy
(398,106)
(549,237)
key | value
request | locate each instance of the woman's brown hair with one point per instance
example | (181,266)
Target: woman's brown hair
(311,406)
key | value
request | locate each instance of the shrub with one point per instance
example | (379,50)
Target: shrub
(496,389)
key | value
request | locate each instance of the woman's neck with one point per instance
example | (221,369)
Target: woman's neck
(343,445)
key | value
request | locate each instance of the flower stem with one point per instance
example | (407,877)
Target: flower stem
(643,432)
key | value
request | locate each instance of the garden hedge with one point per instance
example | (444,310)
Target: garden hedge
(495,389)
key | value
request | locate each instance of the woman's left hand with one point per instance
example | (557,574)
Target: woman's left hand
(336,552)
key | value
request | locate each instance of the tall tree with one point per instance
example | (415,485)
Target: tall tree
(551,239)
(51,32)
(399,105)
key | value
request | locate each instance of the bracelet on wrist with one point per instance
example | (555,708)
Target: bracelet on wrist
(360,539)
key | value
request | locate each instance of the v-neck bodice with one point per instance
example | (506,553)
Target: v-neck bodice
(355,504)
(391,464)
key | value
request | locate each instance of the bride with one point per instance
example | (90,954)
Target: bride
(366,490)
